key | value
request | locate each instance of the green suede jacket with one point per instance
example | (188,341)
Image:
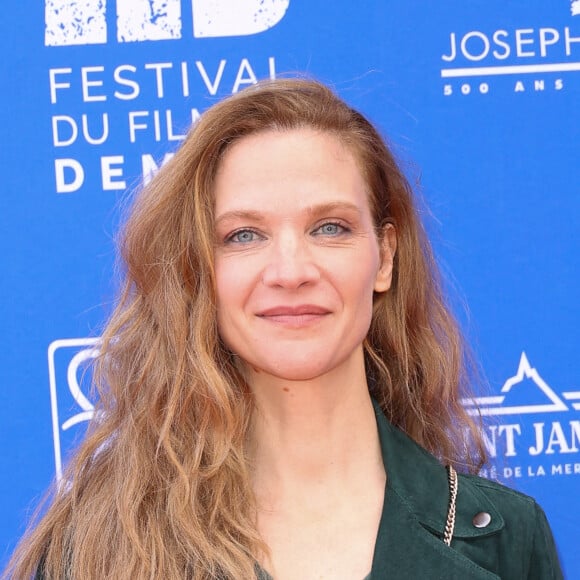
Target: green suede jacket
(516,544)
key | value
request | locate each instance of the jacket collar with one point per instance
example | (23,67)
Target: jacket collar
(415,508)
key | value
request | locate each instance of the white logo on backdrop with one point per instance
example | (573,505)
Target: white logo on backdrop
(73,22)
(551,402)
(66,395)
(476,61)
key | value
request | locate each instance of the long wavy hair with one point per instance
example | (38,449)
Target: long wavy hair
(160,487)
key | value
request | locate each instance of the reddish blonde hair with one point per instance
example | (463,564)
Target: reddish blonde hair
(160,486)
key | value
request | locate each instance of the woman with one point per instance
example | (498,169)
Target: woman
(280,384)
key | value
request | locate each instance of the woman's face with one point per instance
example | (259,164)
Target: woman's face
(297,259)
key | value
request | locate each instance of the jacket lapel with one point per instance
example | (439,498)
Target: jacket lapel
(409,542)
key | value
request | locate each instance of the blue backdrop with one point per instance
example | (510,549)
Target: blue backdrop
(479,100)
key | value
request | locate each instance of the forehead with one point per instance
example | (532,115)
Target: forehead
(288,169)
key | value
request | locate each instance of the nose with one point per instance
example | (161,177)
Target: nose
(291,263)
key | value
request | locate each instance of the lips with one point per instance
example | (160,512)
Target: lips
(301,310)
(294,316)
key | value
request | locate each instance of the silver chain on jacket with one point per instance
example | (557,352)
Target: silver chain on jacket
(450,523)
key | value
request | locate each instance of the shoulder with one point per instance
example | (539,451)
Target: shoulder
(513,508)
(496,529)
(513,528)
(503,497)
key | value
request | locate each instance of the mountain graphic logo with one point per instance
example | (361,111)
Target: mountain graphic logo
(525,392)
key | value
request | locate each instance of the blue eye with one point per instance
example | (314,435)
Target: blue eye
(243,237)
(330,229)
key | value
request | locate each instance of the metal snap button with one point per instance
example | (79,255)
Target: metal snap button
(481,520)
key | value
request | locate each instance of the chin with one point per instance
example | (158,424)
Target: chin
(303,368)
(297,374)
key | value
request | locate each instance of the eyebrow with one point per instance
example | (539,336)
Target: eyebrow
(257,216)
(334,206)
(242,214)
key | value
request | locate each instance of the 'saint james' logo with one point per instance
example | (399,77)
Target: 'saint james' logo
(535,422)
(73,22)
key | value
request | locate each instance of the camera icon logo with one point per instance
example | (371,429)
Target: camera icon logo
(70,377)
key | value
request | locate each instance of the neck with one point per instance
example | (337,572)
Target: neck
(319,433)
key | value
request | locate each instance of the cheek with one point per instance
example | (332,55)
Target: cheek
(226,297)
(356,286)
(228,283)
(226,319)
(361,276)
(233,288)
